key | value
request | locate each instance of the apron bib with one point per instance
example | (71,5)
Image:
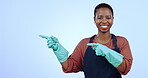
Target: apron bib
(98,66)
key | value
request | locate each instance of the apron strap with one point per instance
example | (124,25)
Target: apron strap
(115,43)
(91,39)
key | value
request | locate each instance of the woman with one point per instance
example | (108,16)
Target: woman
(102,56)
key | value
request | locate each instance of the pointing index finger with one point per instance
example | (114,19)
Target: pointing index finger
(43,36)
(92,44)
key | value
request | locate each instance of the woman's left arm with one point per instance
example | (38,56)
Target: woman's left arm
(121,67)
(126,64)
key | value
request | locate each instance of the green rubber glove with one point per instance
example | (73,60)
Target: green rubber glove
(58,49)
(112,56)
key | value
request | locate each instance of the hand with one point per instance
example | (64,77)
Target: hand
(112,56)
(52,42)
(59,50)
(99,48)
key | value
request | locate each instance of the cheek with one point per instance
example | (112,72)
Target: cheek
(111,22)
(97,22)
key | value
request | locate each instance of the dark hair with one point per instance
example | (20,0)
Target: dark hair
(103,5)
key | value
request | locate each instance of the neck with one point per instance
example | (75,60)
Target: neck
(103,37)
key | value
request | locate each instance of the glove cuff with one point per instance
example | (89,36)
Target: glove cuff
(61,53)
(114,58)
(63,59)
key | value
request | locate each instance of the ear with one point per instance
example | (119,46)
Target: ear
(94,20)
(113,20)
(113,17)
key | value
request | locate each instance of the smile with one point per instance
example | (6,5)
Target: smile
(104,26)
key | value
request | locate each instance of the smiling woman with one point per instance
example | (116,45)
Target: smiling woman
(101,56)
(103,19)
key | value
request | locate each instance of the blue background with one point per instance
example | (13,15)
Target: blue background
(25,55)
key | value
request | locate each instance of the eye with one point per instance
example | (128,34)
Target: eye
(108,18)
(99,18)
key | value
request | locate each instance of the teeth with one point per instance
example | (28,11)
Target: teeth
(104,26)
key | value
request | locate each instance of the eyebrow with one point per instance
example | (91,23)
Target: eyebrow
(106,15)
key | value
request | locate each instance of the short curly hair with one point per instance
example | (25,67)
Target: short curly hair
(103,5)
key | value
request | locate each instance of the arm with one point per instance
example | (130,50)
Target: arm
(125,66)
(65,65)
(122,67)
(61,53)
(112,56)
(75,61)
(58,49)
(122,61)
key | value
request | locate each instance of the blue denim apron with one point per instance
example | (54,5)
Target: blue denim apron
(98,66)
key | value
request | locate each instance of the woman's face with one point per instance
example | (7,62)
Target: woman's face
(103,19)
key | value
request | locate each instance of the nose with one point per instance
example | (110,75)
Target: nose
(104,21)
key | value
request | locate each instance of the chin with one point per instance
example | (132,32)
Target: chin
(104,31)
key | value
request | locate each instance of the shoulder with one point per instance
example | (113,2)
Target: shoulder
(121,41)
(82,46)
(84,41)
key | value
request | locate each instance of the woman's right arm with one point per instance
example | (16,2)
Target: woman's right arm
(74,63)
(65,65)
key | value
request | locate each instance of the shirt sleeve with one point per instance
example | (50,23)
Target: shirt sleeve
(126,52)
(75,60)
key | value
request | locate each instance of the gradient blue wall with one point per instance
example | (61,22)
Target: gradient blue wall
(25,55)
